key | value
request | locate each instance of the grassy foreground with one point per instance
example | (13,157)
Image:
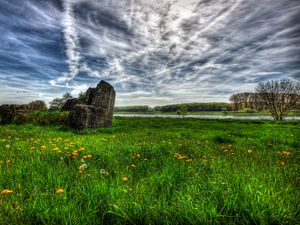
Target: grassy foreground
(151,171)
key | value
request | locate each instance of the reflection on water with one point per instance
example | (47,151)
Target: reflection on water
(208,116)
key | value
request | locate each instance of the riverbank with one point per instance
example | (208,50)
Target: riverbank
(211,113)
(241,117)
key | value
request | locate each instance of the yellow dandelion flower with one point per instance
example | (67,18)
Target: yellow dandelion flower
(8,161)
(88,156)
(74,153)
(125,179)
(43,147)
(287,153)
(55,149)
(81,149)
(6,191)
(59,190)
(182,157)
(177,155)
(137,155)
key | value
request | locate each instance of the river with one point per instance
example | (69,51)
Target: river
(207,116)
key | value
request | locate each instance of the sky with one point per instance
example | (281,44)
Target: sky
(154,52)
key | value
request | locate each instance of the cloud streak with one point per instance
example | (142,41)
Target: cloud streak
(71,41)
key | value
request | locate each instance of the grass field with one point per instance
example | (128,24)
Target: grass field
(151,171)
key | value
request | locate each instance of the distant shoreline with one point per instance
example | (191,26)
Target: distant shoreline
(240,117)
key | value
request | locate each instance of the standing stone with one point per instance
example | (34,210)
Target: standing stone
(97,109)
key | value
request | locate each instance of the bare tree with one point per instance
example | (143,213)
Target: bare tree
(279,97)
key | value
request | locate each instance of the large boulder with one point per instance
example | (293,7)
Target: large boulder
(96,110)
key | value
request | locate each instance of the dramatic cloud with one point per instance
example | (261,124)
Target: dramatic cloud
(154,52)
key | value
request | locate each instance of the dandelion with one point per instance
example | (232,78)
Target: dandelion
(1,161)
(181,157)
(6,191)
(87,156)
(43,147)
(285,153)
(282,163)
(55,149)
(74,154)
(81,149)
(137,155)
(8,161)
(59,190)
(249,151)
(125,179)
(177,155)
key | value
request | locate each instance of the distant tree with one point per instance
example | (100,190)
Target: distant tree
(182,111)
(237,100)
(57,103)
(279,97)
(37,106)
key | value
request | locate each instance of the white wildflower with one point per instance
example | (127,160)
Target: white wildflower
(103,172)
(83,167)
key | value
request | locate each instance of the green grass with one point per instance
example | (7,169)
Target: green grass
(234,175)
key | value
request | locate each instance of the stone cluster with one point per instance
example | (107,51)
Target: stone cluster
(95,110)
(8,112)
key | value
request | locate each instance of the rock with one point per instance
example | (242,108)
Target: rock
(70,103)
(8,112)
(96,110)
(88,116)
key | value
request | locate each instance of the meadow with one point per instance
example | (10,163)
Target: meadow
(151,171)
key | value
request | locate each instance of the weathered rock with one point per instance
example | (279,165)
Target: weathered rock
(8,112)
(70,103)
(97,110)
(88,116)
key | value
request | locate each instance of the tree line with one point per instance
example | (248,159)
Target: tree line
(190,107)
(277,96)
